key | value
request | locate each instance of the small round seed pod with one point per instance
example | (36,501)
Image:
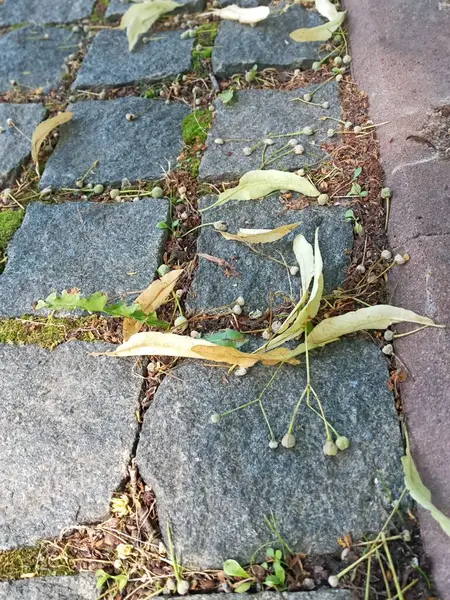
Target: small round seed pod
(307,97)
(247,151)
(266,335)
(269,142)
(10,122)
(406,535)
(76,28)
(385,193)
(288,440)
(195,334)
(198,101)
(241,372)
(276,326)
(342,442)
(338,77)
(171,584)
(308,583)
(219,141)
(215,418)
(315,66)
(388,335)
(347,59)
(301,172)
(163,270)
(386,255)
(361,269)
(237,309)
(294,270)
(199,47)
(333,581)
(330,132)
(338,61)
(293,142)
(298,149)
(330,448)
(72,99)
(323,199)
(240,301)
(388,350)
(102,95)
(183,587)
(157,192)
(273,444)
(115,193)
(98,189)
(357,128)
(130,117)
(307,130)
(348,125)
(220,226)
(325,105)
(46,191)
(179,321)
(399,260)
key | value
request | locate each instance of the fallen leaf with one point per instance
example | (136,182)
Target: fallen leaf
(151,299)
(246,16)
(42,131)
(304,254)
(326,9)
(260,236)
(140,17)
(320,33)
(419,492)
(231,356)
(260,183)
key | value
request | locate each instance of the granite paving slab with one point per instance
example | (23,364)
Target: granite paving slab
(256,277)
(215,483)
(13,12)
(244,3)
(238,47)
(116,8)
(76,587)
(109,62)
(255,115)
(15,148)
(99,131)
(114,248)
(316,595)
(33,56)
(68,428)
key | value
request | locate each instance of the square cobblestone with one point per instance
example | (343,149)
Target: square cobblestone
(68,427)
(109,62)
(117,8)
(239,47)
(75,587)
(114,248)
(259,114)
(34,56)
(99,131)
(14,147)
(254,276)
(13,12)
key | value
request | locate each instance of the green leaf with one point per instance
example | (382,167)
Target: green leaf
(279,572)
(419,492)
(270,552)
(121,581)
(140,17)
(272,581)
(227,337)
(363,194)
(322,33)
(259,183)
(349,215)
(244,587)
(326,9)
(357,173)
(162,225)
(102,578)
(227,95)
(234,569)
(278,555)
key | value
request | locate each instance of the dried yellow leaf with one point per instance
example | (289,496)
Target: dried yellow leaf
(260,236)
(42,131)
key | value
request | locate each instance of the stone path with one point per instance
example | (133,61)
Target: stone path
(69,418)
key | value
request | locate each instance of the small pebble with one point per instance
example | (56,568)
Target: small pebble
(171,585)
(388,349)
(345,552)
(293,270)
(179,293)
(163,270)
(298,149)
(130,117)
(184,216)
(237,309)
(240,372)
(76,28)
(308,583)
(102,95)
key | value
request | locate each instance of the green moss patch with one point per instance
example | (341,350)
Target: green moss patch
(14,564)
(49,332)
(10,221)
(205,38)
(195,127)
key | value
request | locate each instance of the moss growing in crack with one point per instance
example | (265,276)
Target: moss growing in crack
(10,221)
(195,127)
(205,38)
(14,564)
(49,332)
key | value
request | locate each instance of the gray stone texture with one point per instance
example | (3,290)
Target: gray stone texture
(140,149)
(245,3)
(34,56)
(238,47)
(215,483)
(110,64)
(316,595)
(13,12)
(257,114)
(256,278)
(68,428)
(114,248)
(389,68)
(14,147)
(77,587)
(117,8)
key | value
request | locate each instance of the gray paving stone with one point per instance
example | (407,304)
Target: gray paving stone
(140,149)
(258,114)
(116,8)
(238,47)
(245,3)
(77,587)
(109,63)
(256,277)
(68,428)
(316,595)
(13,12)
(14,147)
(34,60)
(113,248)
(216,483)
